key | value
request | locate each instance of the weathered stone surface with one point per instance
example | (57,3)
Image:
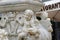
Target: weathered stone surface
(18,21)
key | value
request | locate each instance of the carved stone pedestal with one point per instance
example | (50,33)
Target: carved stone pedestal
(18,20)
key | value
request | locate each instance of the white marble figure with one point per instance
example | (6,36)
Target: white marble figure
(28,24)
(10,24)
(3,33)
(33,28)
(3,20)
(19,20)
(45,22)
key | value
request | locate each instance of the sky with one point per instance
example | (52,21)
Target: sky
(51,2)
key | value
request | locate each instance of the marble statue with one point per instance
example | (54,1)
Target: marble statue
(29,28)
(18,20)
(35,29)
(45,22)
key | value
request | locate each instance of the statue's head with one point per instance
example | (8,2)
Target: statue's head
(3,20)
(28,14)
(42,15)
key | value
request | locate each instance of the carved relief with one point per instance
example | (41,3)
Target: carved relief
(19,22)
(25,25)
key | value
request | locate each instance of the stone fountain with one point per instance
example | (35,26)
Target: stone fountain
(21,20)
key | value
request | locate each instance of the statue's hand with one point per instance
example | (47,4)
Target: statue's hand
(33,32)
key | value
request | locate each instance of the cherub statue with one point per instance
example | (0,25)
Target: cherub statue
(29,26)
(33,28)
